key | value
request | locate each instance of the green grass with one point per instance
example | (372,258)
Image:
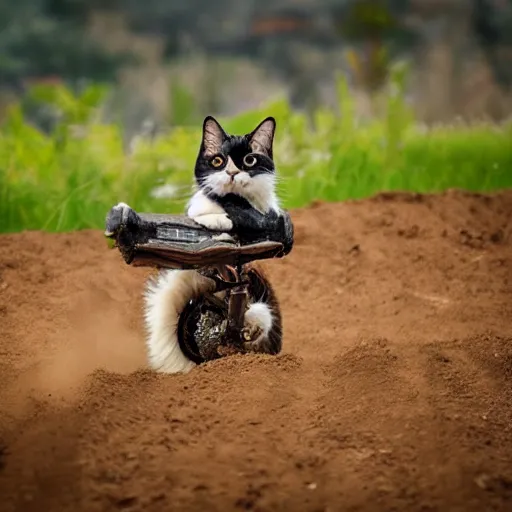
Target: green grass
(69,180)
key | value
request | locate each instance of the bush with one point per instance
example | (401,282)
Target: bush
(69,178)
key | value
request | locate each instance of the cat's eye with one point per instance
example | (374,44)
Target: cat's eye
(218,161)
(250,160)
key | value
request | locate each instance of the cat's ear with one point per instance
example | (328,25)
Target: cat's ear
(262,137)
(213,136)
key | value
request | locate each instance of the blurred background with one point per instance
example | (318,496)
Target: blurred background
(231,55)
(102,100)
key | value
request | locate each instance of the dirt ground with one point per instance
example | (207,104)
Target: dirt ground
(393,391)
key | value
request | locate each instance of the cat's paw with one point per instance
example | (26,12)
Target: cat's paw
(215,221)
(118,216)
(251,332)
(252,335)
(257,325)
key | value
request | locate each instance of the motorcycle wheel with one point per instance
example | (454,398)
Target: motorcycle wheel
(202,324)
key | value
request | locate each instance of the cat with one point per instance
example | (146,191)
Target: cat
(235,182)
(233,169)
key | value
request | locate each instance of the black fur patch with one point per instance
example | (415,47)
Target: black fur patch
(250,224)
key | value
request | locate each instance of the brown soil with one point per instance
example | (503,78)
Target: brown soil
(393,392)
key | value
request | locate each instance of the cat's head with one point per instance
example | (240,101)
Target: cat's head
(237,164)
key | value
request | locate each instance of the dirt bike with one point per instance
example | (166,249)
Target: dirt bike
(209,327)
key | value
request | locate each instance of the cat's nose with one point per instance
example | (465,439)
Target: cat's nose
(232,172)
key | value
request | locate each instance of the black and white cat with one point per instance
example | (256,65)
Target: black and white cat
(235,190)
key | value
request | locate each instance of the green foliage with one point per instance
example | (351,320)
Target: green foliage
(183,105)
(70,178)
(42,38)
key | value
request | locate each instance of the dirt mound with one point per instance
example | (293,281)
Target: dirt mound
(393,392)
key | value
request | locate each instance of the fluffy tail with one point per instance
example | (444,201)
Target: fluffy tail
(165,298)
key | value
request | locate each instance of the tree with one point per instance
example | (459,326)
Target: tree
(492,25)
(47,38)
